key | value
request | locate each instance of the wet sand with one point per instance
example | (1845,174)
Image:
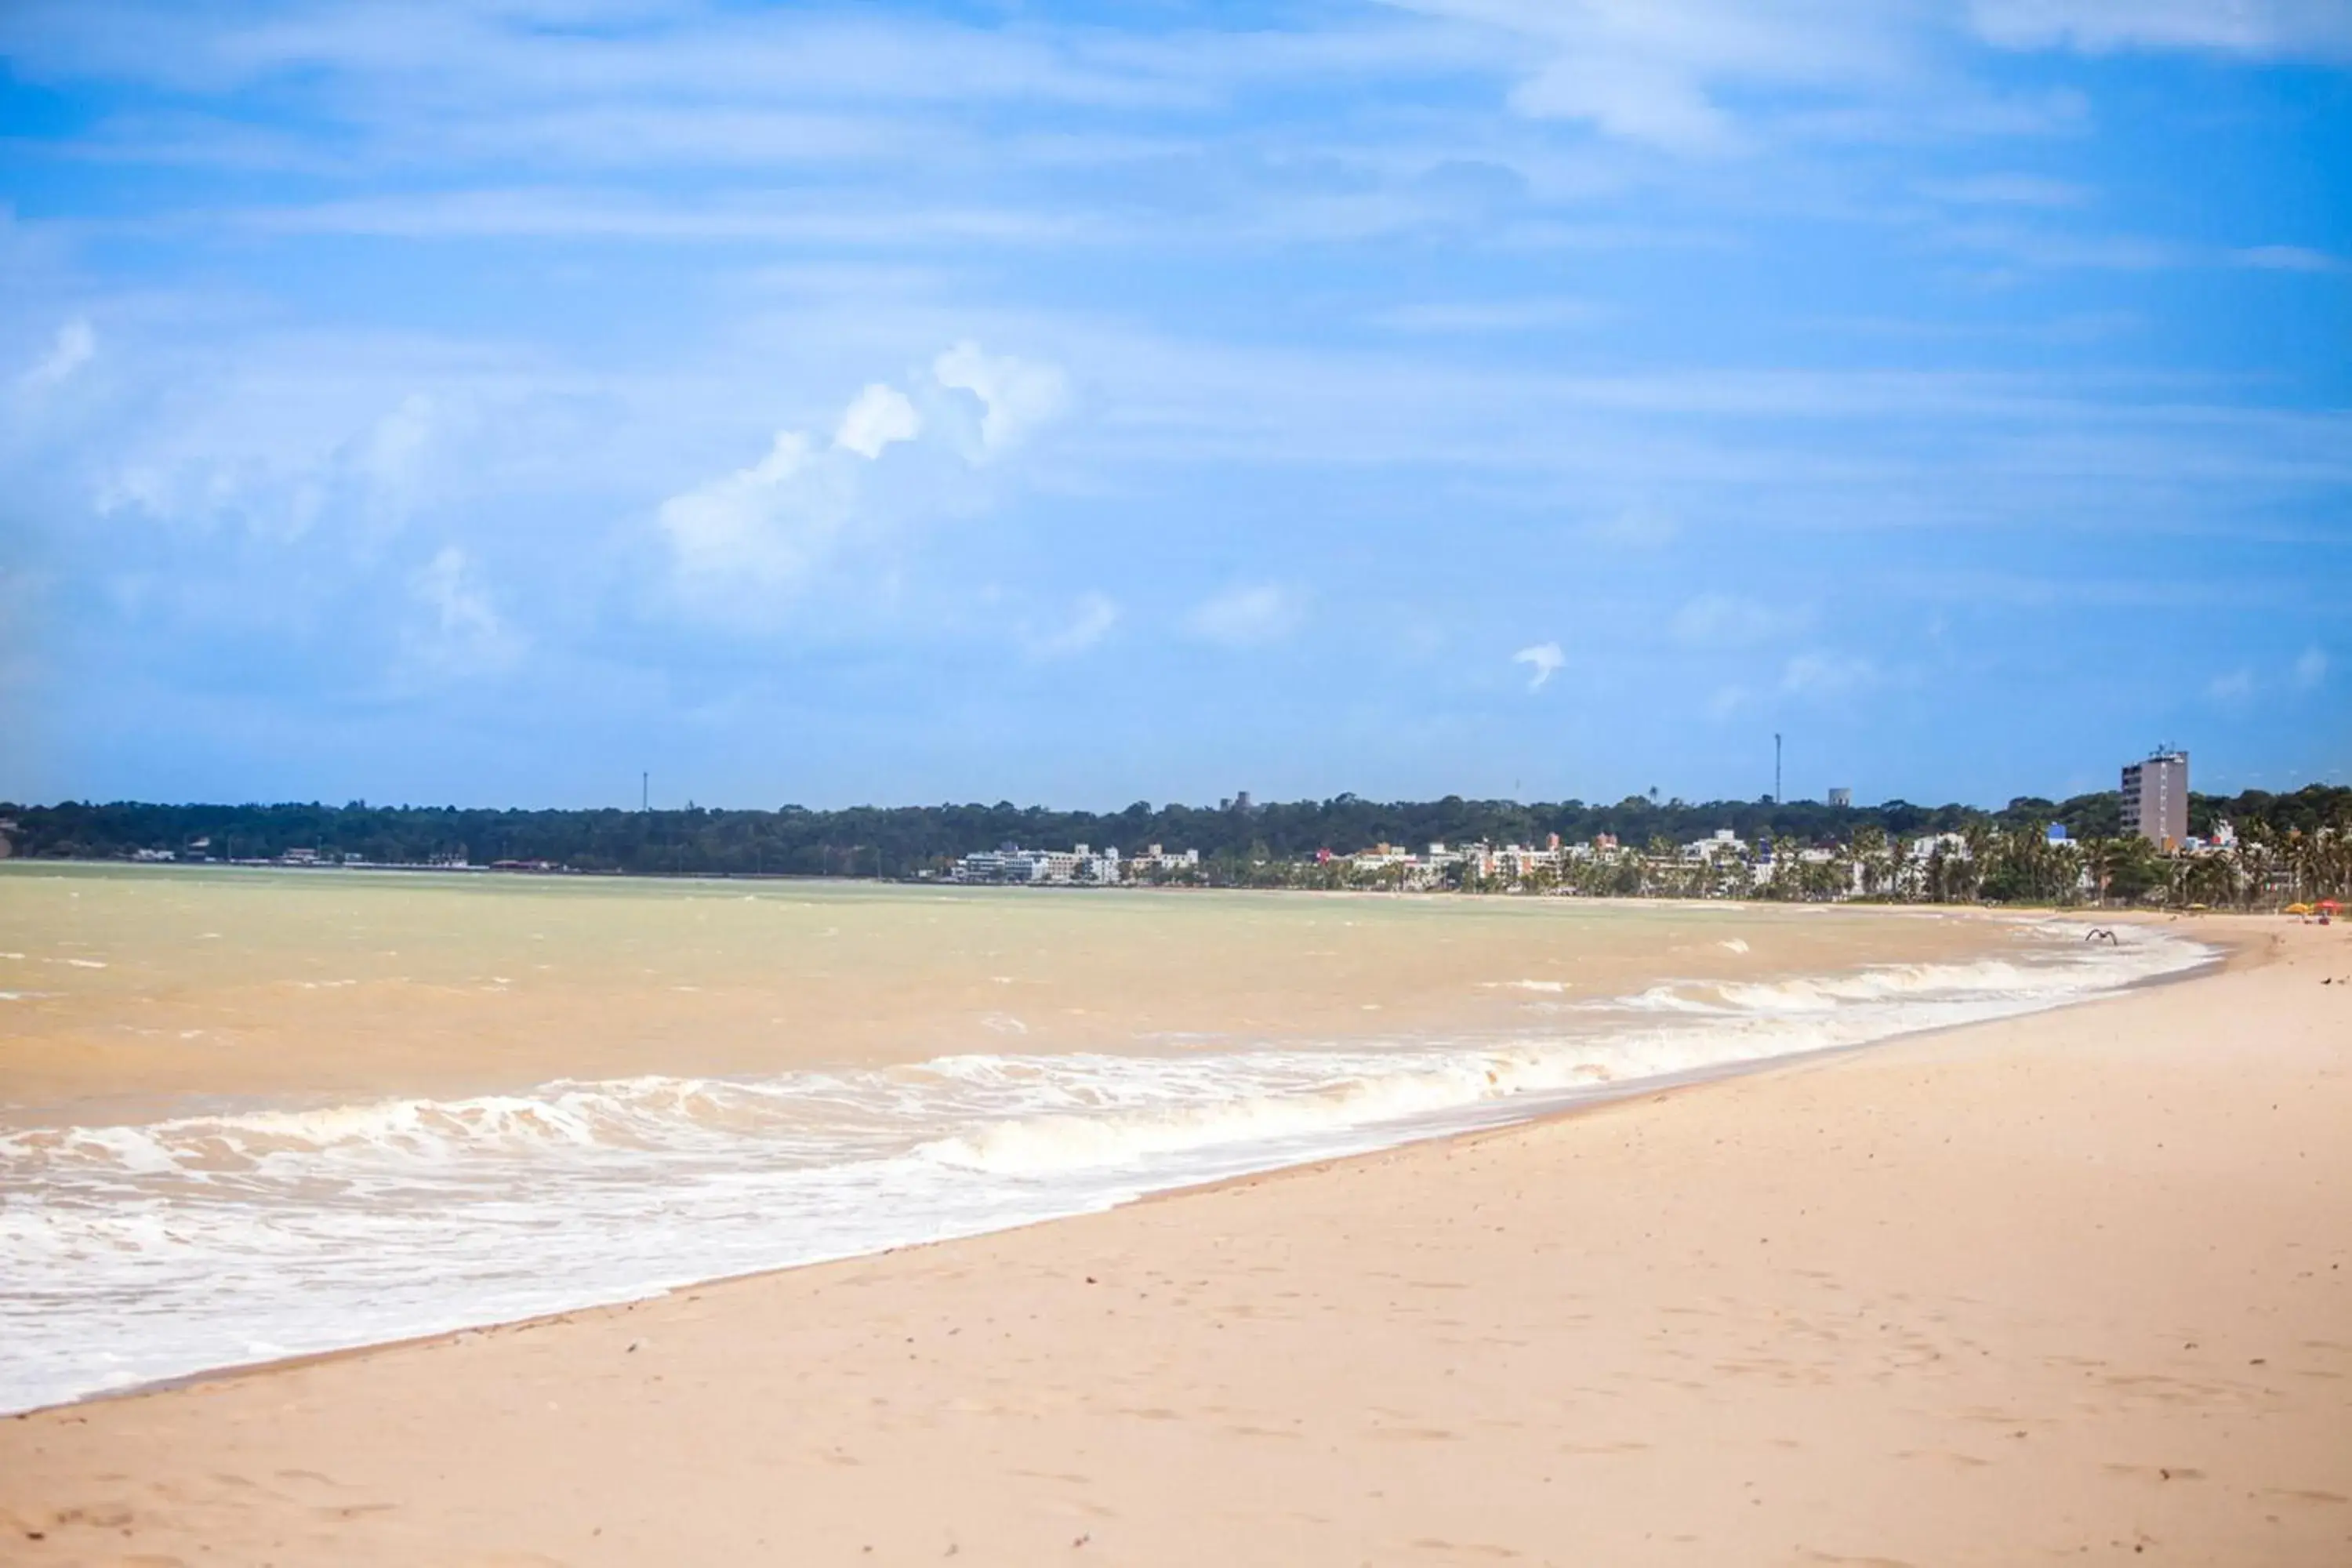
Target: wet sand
(2075,1285)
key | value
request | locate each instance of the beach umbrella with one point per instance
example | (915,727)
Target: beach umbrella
(2298,909)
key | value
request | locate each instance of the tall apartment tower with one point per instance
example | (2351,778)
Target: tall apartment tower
(2156,799)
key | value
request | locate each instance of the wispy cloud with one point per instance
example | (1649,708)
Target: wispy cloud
(748,542)
(2232,686)
(1662,74)
(2288,258)
(2008,189)
(73,348)
(2047,247)
(1091,620)
(462,635)
(1731,621)
(555,213)
(1544,660)
(1635,528)
(1487,316)
(1827,675)
(690,51)
(2310,29)
(1393,323)
(1248,615)
(276,464)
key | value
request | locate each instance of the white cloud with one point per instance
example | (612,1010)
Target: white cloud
(386,467)
(1015,395)
(74,346)
(1636,528)
(2260,27)
(1652,71)
(1486,315)
(280,453)
(1727,701)
(2234,685)
(2311,667)
(609,215)
(2287,258)
(766,526)
(464,634)
(745,540)
(1544,659)
(563,53)
(398,440)
(1248,615)
(1827,675)
(1637,99)
(1727,620)
(2025,245)
(875,419)
(2008,189)
(1091,620)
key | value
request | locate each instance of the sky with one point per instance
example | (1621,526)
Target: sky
(493,403)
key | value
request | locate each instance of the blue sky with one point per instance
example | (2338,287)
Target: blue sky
(484,403)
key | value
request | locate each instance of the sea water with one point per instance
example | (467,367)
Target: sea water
(207,1159)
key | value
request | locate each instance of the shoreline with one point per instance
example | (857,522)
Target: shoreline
(2238,951)
(2070,1281)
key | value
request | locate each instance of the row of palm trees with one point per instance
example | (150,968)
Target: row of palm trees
(1983,863)
(2266,870)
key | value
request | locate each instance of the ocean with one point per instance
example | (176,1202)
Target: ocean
(252,1114)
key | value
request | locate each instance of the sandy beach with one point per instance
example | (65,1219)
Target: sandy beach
(2072,1285)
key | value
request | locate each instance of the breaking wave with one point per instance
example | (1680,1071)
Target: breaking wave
(142,1251)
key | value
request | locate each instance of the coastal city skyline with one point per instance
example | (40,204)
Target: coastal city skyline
(2153,836)
(486,403)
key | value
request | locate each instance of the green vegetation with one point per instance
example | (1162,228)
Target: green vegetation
(2290,843)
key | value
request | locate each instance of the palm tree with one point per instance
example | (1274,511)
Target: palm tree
(1869,851)
(2111,858)
(2255,859)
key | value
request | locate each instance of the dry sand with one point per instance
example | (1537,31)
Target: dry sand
(2078,1285)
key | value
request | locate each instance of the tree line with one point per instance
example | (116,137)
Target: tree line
(1236,844)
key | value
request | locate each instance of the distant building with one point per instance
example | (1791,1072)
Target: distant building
(1059,867)
(1725,842)
(2057,834)
(1841,798)
(2156,799)
(983,866)
(1156,858)
(1951,846)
